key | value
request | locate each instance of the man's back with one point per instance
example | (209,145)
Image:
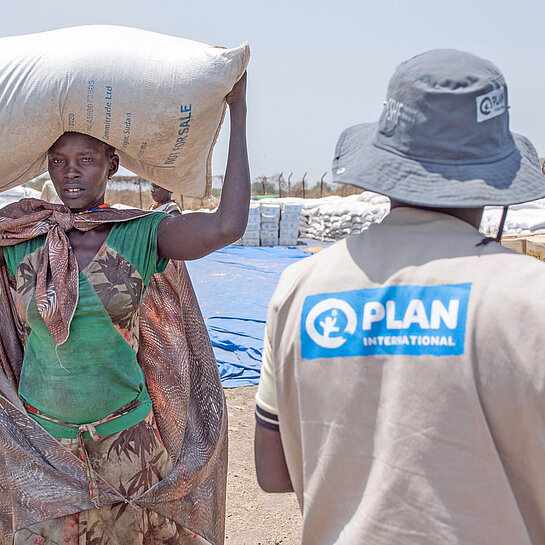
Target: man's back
(410,389)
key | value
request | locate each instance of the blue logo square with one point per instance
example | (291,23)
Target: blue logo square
(412,320)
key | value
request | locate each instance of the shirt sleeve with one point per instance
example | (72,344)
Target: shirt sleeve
(13,255)
(266,410)
(155,264)
(136,241)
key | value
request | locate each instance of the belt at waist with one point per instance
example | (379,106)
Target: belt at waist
(91,429)
(57,427)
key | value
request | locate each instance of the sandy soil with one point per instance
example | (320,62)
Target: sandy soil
(253,517)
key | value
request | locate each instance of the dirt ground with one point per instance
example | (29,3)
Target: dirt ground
(253,517)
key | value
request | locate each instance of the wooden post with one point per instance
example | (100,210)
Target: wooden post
(303,180)
(182,202)
(280,185)
(322,184)
(289,184)
(140,191)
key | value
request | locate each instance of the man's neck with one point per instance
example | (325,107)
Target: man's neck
(472,216)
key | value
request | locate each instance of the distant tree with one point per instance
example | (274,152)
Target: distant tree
(264,185)
(277,184)
(296,189)
(320,190)
(344,190)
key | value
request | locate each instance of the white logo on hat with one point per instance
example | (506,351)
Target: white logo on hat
(328,323)
(491,105)
(390,116)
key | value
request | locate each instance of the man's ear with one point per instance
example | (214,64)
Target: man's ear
(114,165)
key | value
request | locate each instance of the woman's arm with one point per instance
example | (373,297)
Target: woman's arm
(191,236)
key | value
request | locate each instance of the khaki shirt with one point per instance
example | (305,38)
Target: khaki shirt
(406,368)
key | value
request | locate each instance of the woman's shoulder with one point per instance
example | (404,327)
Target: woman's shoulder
(16,253)
(136,241)
(147,221)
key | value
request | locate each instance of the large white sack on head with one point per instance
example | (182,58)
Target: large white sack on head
(159,100)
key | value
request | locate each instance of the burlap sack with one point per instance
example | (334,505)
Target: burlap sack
(159,100)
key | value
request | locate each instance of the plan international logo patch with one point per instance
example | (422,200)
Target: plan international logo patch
(491,105)
(412,320)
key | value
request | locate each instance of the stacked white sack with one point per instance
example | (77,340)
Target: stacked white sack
(159,100)
(289,223)
(270,219)
(522,219)
(253,227)
(334,218)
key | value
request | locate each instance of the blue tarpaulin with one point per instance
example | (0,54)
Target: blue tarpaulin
(234,286)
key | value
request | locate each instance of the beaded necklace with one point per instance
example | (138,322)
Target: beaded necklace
(104,205)
(158,204)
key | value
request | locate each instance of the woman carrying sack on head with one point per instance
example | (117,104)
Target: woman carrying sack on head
(117,366)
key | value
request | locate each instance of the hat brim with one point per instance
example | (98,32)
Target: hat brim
(511,180)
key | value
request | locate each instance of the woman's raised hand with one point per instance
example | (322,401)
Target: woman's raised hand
(238,92)
(195,235)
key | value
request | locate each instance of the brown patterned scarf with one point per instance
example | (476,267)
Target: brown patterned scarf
(181,376)
(57,278)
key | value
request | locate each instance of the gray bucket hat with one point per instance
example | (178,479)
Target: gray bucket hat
(443,139)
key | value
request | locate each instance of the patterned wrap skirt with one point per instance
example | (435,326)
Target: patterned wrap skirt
(132,461)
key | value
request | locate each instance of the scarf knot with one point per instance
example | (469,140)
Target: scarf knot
(62,219)
(57,278)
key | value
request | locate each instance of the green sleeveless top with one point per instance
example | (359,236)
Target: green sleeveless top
(95,372)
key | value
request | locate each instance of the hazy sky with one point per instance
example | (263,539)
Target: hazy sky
(318,67)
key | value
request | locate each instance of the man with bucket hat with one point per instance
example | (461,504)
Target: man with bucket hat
(402,394)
